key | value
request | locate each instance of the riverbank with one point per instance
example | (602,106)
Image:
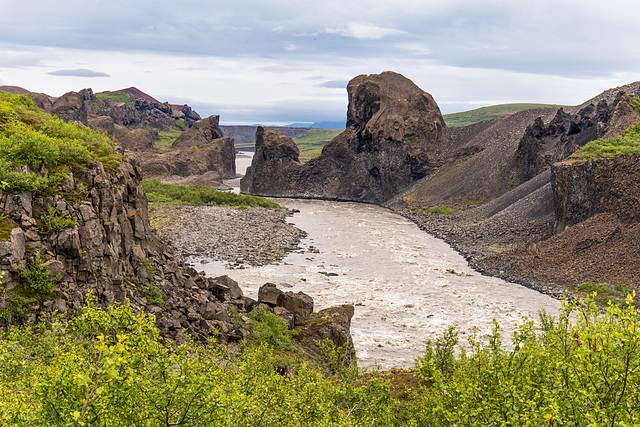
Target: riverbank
(238,237)
(524,250)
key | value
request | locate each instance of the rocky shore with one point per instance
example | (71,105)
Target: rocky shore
(254,236)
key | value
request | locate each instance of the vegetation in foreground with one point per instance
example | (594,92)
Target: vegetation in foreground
(111,368)
(200,195)
(38,150)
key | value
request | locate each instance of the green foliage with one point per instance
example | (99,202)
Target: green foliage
(429,210)
(200,195)
(488,113)
(6,225)
(627,143)
(36,149)
(35,280)
(116,97)
(605,292)
(581,372)
(439,356)
(50,221)
(166,138)
(269,329)
(109,367)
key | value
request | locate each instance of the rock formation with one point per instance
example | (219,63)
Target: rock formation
(393,131)
(585,188)
(200,156)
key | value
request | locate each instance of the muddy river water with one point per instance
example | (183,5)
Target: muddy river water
(406,285)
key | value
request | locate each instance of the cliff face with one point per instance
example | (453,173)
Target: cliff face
(393,132)
(585,188)
(109,251)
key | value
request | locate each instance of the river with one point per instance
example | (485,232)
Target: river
(406,285)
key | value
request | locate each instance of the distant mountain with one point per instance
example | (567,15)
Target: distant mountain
(318,125)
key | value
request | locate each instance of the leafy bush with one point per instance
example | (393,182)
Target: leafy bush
(582,373)
(35,279)
(200,195)
(110,367)
(49,221)
(269,329)
(38,149)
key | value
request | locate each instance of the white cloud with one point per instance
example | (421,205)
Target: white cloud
(363,31)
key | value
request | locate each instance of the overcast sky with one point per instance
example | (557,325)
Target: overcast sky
(284,61)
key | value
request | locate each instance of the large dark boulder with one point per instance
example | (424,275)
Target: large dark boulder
(393,129)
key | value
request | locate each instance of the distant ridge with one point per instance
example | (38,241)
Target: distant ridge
(318,125)
(136,93)
(15,90)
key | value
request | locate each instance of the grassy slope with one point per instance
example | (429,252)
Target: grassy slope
(487,113)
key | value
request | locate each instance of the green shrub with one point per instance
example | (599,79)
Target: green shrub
(50,221)
(35,280)
(584,369)
(270,329)
(200,195)
(37,150)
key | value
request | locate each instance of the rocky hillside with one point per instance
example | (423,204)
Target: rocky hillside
(139,123)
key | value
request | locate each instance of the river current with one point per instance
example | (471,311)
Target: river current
(406,285)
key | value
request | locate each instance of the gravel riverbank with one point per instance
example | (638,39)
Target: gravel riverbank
(254,236)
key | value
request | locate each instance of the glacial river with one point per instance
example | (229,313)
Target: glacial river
(406,285)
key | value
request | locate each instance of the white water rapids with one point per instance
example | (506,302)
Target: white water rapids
(406,285)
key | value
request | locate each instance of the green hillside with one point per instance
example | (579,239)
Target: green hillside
(487,113)
(310,143)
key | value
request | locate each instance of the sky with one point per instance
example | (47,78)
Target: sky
(289,61)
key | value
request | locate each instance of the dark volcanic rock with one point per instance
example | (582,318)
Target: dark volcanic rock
(393,128)
(585,188)
(277,170)
(206,164)
(201,133)
(541,145)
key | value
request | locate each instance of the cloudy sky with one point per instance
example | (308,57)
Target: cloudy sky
(284,61)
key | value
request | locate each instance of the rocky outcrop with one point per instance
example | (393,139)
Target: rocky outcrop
(393,131)
(107,249)
(585,188)
(202,132)
(542,146)
(313,331)
(206,164)
(275,169)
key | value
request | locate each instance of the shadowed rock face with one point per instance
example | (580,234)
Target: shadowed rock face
(393,131)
